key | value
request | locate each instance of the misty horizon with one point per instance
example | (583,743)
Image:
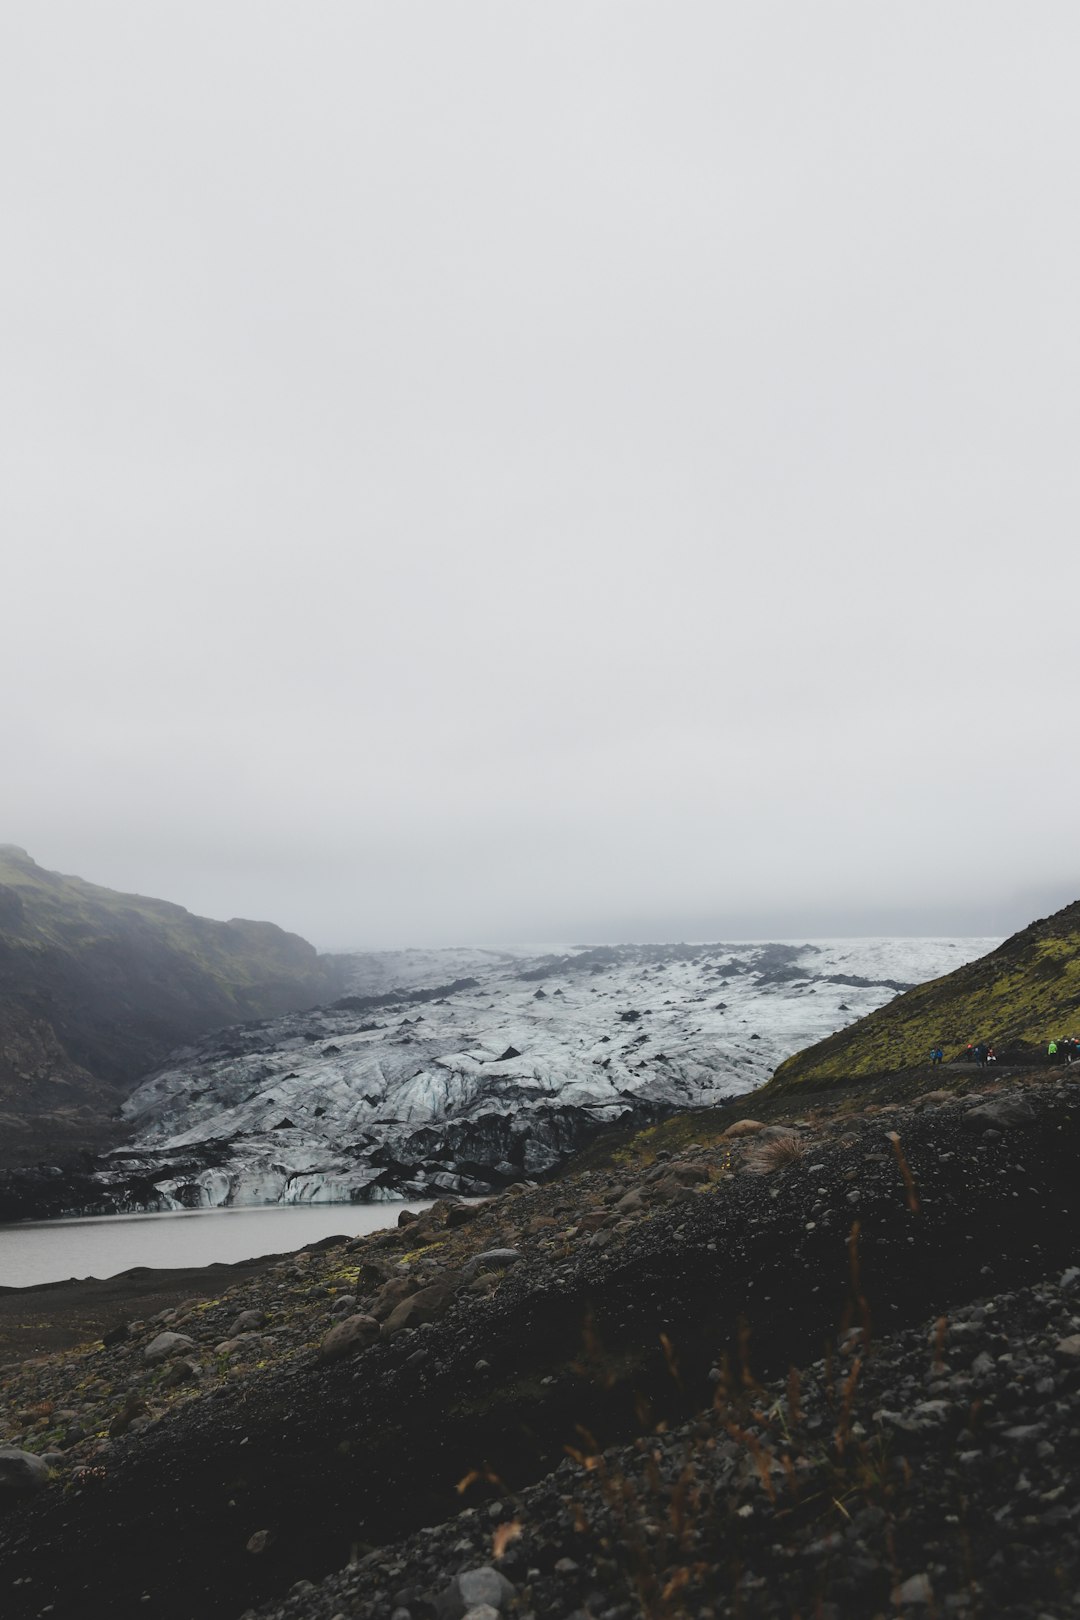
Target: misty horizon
(494,472)
(1001,916)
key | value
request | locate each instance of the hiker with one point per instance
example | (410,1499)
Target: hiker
(936,1055)
(980,1055)
(1051,1051)
(991,1055)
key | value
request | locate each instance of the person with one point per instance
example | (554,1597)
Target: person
(991,1055)
(1051,1051)
(936,1055)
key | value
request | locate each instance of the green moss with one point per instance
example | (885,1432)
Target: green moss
(1018,996)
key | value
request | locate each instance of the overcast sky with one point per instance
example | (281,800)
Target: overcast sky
(515,471)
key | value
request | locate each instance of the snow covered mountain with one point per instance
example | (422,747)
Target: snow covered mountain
(461,1081)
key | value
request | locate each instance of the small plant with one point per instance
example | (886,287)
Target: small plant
(775,1155)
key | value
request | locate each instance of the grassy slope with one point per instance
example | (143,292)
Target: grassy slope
(1016,998)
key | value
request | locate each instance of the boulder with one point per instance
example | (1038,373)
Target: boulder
(490,1260)
(426,1305)
(21,1474)
(742,1127)
(631,1200)
(346,1338)
(242,1341)
(390,1295)
(689,1174)
(167,1345)
(246,1322)
(473,1590)
(180,1372)
(1000,1114)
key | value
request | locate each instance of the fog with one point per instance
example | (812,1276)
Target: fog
(494,471)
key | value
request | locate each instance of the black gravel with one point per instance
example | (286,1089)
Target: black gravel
(594,1343)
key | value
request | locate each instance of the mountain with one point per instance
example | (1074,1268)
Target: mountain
(1017,998)
(97,987)
(486,1077)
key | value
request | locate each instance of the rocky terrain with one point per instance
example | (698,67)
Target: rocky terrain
(1017,998)
(97,987)
(495,1075)
(820,1363)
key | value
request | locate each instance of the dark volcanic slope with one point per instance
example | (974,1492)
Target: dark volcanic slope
(631,1284)
(1017,998)
(96,987)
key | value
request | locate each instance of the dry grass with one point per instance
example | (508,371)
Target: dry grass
(765,1157)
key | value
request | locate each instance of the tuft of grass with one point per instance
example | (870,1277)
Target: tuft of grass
(766,1157)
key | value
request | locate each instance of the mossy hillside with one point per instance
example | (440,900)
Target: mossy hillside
(97,986)
(42,911)
(1017,998)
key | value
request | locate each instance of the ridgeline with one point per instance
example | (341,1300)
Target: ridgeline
(96,987)
(1017,999)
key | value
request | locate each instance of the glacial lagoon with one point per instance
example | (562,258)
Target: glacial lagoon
(100,1246)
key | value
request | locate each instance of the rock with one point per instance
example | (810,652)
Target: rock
(246,1322)
(426,1305)
(742,1127)
(633,1200)
(1001,1113)
(242,1341)
(166,1345)
(390,1296)
(474,1589)
(133,1409)
(115,1335)
(344,1304)
(916,1589)
(180,1372)
(689,1174)
(1068,1349)
(408,1217)
(346,1338)
(21,1474)
(490,1260)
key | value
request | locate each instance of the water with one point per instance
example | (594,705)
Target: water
(100,1246)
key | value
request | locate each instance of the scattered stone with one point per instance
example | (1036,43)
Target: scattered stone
(348,1337)
(1001,1113)
(490,1260)
(426,1305)
(166,1345)
(21,1474)
(743,1127)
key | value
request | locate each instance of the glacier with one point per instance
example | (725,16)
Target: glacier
(462,1071)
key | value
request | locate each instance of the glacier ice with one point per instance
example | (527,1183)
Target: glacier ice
(409,1092)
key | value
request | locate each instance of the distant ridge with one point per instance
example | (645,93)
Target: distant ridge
(1017,998)
(96,987)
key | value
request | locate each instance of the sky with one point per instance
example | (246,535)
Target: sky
(493,471)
